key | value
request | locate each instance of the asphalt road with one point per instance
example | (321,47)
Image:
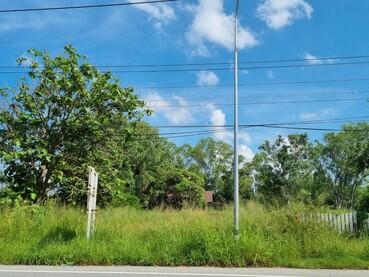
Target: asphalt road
(97,271)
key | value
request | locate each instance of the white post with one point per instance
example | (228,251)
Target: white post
(91,201)
(236,190)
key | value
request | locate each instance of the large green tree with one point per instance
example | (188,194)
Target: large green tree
(159,176)
(64,116)
(289,170)
(213,160)
(346,161)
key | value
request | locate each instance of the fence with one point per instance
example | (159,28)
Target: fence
(342,222)
(365,223)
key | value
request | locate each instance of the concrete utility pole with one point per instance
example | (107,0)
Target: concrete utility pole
(236,190)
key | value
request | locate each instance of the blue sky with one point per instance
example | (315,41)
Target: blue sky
(200,31)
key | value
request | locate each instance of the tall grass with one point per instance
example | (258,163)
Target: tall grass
(126,236)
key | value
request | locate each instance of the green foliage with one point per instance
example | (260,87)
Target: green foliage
(8,197)
(289,170)
(212,160)
(124,236)
(65,116)
(346,160)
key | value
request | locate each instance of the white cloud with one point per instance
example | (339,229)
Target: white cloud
(322,114)
(278,14)
(218,118)
(212,25)
(207,78)
(246,151)
(176,115)
(311,59)
(160,13)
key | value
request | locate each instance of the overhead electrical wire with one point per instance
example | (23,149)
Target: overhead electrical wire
(85,6)
(159,136)
(313,129)
(225,128)
(256,84)
(262,103)
(240,68)
(273,95)
(354,119)
(216,68)
(330,59)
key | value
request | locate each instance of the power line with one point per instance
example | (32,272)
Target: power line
(345,120)
(244,126)
(86,6)
(256,84)
(217,63)
(318,121)
(225,128)
(158,136)
(215,69)
(314,129)
(240,68)
(271,94)
(354,119)
(261,103)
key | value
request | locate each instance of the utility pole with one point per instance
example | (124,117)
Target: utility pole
(235,127)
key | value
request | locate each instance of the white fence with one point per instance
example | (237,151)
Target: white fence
(366,223)
(342,222)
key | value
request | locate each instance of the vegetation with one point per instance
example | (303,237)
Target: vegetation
(56,235)
(67,116)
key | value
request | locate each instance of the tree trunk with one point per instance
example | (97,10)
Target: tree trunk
(42,182)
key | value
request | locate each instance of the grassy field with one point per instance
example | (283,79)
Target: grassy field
(39,235)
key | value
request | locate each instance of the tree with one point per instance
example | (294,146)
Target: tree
(213,160)
(156,171)
(289,170)
(62,118)
(346,160)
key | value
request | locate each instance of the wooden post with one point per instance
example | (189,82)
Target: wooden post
(91,201)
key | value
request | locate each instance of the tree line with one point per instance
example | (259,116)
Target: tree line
(66,115)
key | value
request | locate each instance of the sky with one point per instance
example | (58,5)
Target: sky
(201,31)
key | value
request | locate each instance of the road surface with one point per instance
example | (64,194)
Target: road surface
(97,271)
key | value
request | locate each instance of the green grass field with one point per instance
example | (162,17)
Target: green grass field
(124,236)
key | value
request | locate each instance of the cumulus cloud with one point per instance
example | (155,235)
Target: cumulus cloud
(311,59)
(246,152)
(207,78)
(175,115)
(160,13)
(218,120)
(322,114)
(212,25)
(278,14)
